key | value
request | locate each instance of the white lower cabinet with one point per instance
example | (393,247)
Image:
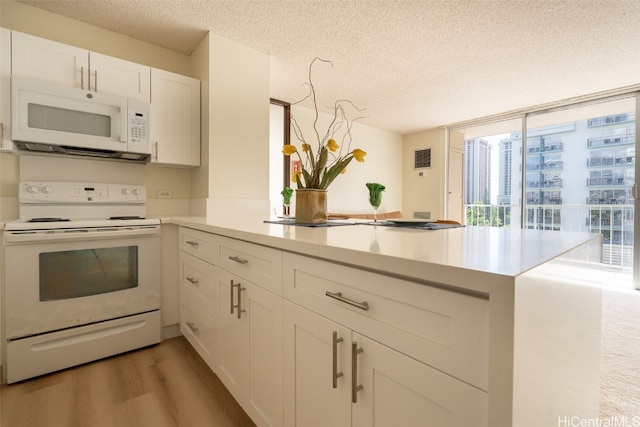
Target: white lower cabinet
(235,325)
(301,342)
(311,400)
(400,391)
(197,306)
(250,346)
(337,377)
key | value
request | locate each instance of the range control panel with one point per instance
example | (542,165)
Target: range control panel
(79,192)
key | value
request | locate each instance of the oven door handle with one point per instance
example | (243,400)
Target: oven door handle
(77,235)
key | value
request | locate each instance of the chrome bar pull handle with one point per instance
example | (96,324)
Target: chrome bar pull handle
(338,295)
(81,77)
(192,280)
(239,260)
(95,80)
(192,243)
(355,387)
(336,374)
(193,327)
(155,145)
(239,304)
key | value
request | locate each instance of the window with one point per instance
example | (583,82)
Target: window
(574,171)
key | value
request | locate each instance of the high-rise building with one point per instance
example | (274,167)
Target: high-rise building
(578,176)
(506,175)
(477,169)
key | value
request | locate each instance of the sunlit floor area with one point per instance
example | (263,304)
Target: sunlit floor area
(620,370)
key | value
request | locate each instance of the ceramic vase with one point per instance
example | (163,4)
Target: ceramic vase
(311,206)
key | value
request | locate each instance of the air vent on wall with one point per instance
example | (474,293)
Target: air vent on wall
(423,158)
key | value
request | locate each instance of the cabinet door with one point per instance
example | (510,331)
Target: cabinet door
(175,119)
(5,90)
(262,356)
(119,77)
(400,391)
(229,363)
(309,396)
(48,60)
(197,305)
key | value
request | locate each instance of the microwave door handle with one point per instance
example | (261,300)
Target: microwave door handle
(124,119)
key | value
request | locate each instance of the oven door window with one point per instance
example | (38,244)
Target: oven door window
(79,273)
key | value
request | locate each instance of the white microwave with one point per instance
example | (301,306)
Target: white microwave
(48,117)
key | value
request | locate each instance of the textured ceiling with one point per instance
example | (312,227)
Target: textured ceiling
(412,65)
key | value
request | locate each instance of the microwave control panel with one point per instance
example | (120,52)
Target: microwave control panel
(138,126)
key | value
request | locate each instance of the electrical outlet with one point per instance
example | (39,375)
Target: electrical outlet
(165,194)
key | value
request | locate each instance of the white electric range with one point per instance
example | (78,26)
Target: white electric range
(81,276)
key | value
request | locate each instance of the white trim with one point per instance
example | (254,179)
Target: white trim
(594,98)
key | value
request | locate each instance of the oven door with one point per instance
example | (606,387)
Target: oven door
(70,279)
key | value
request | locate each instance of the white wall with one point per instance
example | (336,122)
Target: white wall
(424,193)
(238,133)
(382,164)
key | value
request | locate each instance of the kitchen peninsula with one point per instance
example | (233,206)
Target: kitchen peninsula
(468,326)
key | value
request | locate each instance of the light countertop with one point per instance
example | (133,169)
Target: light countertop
(473,258)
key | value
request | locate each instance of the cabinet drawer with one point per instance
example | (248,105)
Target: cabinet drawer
(198,276)
(255,263)
(444,329)
(198,243)
(197,326)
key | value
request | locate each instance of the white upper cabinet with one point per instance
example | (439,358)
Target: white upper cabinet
(48,60)
(175,119)
(119,77)
(75,67)
(5,90)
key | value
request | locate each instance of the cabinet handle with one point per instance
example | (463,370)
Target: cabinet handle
(239,305)
(155,149)
(1,135)
(95,81)
(192,280)
(336,374)
(338,295)
(192,243)
(238,259)
(193,327)
(81,77)
(355,387)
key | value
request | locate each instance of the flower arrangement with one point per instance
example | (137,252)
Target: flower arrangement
(322,166)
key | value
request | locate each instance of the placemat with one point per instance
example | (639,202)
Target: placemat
(427,226)
(329,223)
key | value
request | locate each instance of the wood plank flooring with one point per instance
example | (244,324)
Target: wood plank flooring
(163,385)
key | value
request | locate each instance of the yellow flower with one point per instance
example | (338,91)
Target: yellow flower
(343,171)
(288,150)
(295,176)
(306,147)
(359,154)
(332,145)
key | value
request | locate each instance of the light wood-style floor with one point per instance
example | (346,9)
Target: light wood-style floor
(163,385)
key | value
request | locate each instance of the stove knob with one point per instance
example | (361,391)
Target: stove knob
(47,189)
(125,191)
(136,192)
(32,189)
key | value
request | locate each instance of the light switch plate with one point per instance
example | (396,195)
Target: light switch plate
(165,194)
